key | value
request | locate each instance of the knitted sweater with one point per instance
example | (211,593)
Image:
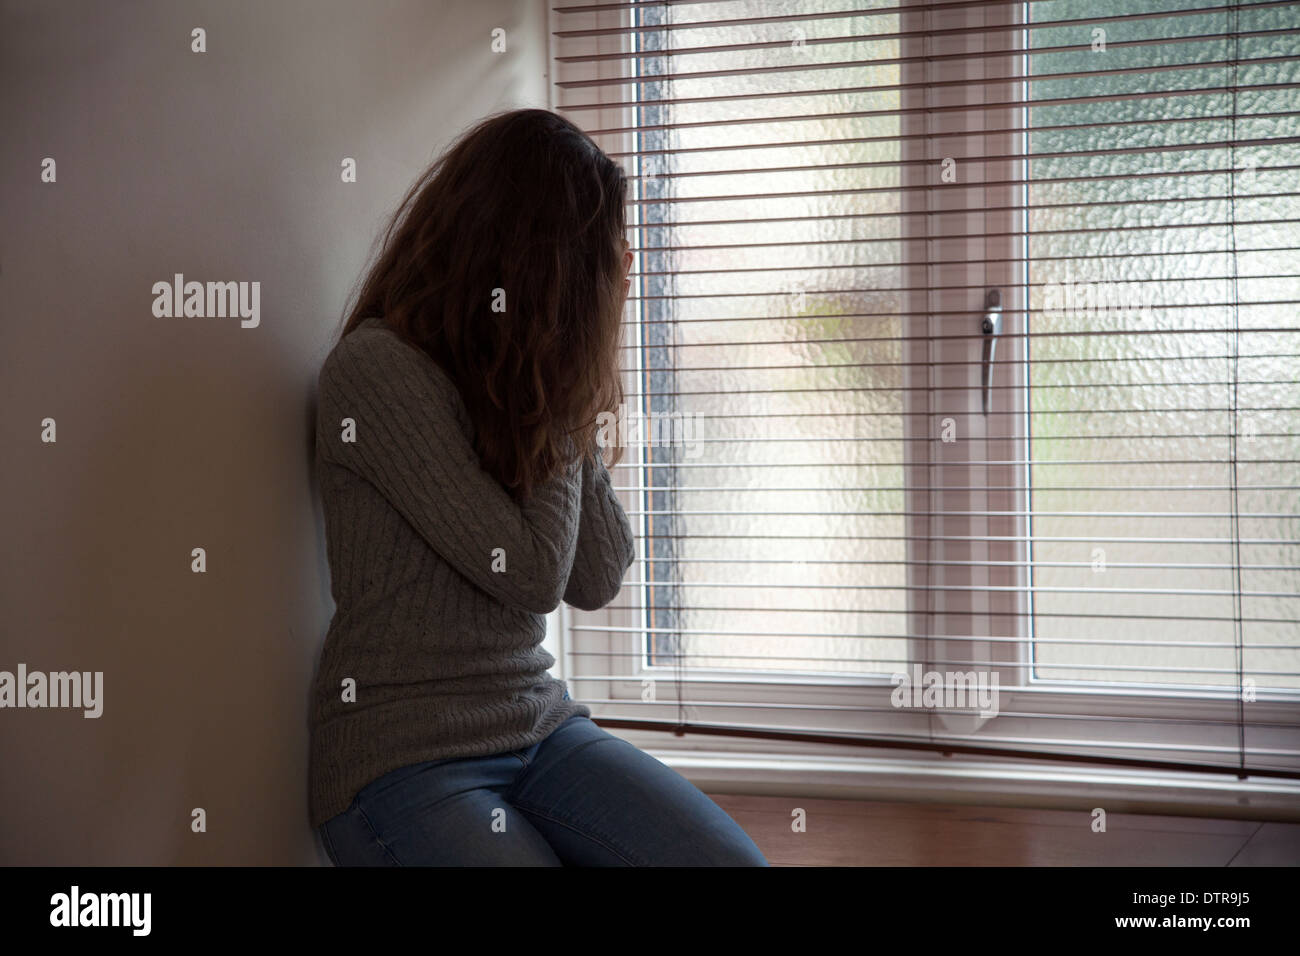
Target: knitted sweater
(441,581)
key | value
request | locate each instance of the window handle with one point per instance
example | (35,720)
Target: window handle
(991,326)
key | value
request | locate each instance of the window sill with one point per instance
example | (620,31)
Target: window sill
(961,780)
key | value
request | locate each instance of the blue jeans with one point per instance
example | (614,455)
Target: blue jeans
(579,797)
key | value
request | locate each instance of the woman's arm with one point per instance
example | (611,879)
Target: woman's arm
(411,443)
(605,544)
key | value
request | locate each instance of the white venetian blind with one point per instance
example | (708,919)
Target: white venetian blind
(1090,505)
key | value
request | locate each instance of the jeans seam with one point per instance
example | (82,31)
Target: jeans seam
(586,834)
(375,833)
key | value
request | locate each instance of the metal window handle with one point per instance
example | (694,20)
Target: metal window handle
(991,326)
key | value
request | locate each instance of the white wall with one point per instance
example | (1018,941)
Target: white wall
(177,433)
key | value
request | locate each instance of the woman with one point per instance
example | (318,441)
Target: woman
(464,498)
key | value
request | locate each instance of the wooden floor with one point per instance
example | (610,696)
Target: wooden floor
(860,833)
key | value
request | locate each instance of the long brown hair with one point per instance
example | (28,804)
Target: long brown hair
(522,211)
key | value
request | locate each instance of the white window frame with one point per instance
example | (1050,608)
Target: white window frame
(751,765)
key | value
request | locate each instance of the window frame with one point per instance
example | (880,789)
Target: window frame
(610,635)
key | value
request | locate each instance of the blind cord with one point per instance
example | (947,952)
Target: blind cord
(1238,625)
(930,365)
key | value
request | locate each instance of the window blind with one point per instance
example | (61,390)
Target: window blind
(962,372)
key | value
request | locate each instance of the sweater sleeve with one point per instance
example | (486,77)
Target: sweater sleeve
(605,544)
(412,443)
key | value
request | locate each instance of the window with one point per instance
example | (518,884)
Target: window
(774,523)
(1092,507)
(1163,369)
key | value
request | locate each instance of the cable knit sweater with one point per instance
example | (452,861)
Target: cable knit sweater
(441,581)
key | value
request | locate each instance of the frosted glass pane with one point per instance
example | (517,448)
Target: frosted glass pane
(1128,574)
(778,542)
